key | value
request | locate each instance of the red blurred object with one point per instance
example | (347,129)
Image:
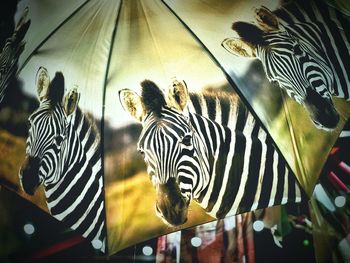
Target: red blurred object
(56,248)
(337,182)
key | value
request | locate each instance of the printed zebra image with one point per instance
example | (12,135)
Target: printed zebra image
(12,48)
(304,47)
(63,154)
(209,149)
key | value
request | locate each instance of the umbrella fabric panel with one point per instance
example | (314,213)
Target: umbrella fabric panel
(75,57)
(45,16)
(211,23)
(149,43)
(80,49)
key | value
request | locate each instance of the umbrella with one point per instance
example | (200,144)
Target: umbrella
(103,47)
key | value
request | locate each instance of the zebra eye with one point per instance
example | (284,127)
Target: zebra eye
(186,140)
(58,139)
(297,50)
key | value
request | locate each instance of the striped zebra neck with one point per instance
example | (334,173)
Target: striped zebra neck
(227,109)
(82,140)
(216,138)
(77,197)
(82,144)
(242,171)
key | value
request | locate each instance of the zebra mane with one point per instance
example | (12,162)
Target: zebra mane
(152,97)
(205,104)
(87,122)
(225,97)
(220,94)
(249,33)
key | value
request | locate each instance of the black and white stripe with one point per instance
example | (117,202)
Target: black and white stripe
(217,155)
(324,33)
(286,61)
(10,53)
(304,47)
(69,156)
(239,139)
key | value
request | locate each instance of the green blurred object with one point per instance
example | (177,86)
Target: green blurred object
(284,227)
(306,242)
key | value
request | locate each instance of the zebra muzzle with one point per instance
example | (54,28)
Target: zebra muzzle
(173,215)
(29,174)
(322,110)
(171,206)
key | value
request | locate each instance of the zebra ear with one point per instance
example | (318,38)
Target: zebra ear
(178,95)
(132,103)
(266,20)
(239,47)
(71,100)
(42,82)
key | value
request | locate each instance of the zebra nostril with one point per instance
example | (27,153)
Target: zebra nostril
(30,164)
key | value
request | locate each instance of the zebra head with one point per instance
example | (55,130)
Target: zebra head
(169,145)
(48,132)
(291,59)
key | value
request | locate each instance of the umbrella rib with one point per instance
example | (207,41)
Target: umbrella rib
(52,32)
(114,32)
(228,77)
(102,125)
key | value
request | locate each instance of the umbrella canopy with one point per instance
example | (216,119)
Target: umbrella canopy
(102,47)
